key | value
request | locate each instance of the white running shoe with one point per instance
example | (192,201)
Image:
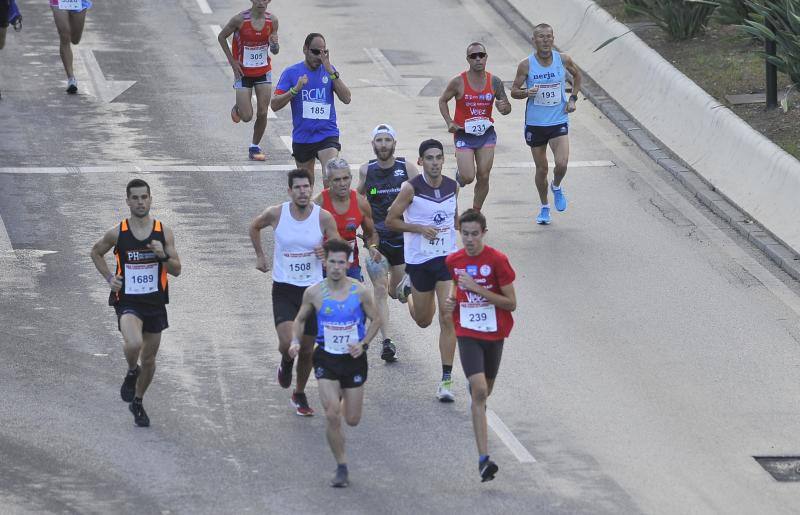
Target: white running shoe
(403,289)
(444,393)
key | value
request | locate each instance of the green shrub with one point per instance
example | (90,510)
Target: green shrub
(785,17)
(733,12)
(681,19)
(633,3)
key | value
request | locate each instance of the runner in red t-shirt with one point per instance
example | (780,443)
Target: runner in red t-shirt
(476,91)
(255,35)
(481,299)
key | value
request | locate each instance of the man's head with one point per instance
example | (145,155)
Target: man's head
(384,141)
(337,258)
(260,4)
(543,39)
(314,48)
(476,57)
(472,225)
(138,197)
(300,187)
(431,158)
(338,177)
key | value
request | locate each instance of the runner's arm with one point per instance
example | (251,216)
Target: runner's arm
(265,219)
(274,45)
(394,218)
(284,91)
(577,79)
(375,321)
(500,98)
(367,223)
(450,92)
(518,89)
(328,226)
(98,252)
(506,299)
(232,26)
(362,179)
(318,199)
(173,263)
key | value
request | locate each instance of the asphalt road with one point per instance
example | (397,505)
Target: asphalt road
(655,352)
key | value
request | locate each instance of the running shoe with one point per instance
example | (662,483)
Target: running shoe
(340,479)
(128,388)
(444,393)
(487,469)
(139,415)
(72,85)
(235,115)
(559,199)
(544,216)
(256,154)
(300,403)
(389,353)
(285,374)
(403,289)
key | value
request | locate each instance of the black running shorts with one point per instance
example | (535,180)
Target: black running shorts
(392,251)
(424,276)
(4,12)
(349,371)
(480,356)
(536,136)
(286,302)
(305,152)
(154,318)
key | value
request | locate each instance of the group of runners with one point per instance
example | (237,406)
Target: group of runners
(325,316)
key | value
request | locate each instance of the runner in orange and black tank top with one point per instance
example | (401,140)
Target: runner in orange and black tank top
(251,46)
(346,224)
(144,278)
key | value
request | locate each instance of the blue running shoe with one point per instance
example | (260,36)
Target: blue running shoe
(256,154)
(559,199)
(544,216)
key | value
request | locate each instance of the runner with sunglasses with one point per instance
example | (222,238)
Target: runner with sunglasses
(475,91)
(309,86)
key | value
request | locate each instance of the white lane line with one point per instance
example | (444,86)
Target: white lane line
(508,438)
(287,142)
(5,241)
(204,7)
(572,164)
(215,29)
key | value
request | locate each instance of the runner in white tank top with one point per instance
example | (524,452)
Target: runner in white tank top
(300,228)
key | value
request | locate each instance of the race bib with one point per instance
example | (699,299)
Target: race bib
(478,316)
(477,126)
(438,246)
(548,95)
(338,337)
(255,56)
(141,279)
(316,111)
(70,5)
(299,266)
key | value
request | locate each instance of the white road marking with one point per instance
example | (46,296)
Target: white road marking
(5,241)
(204,7)
(215,29)
(287,142)
(99,86)
(572,164)
(508,438)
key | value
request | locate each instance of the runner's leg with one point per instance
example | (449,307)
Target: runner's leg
(560,148)
(479,391)
(465,161)
(353,401)
(325,155)
(330,393)
(77,21)
(62,21)
(304,362)
(540,161)
(131,328)
(263,94)
(484,158)
(396,274)
(244,103)
(447,331)
(151,342)
(380,294)
(422,306)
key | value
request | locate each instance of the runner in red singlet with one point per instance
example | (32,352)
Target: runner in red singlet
(475,91)
(350,211)
(255,34)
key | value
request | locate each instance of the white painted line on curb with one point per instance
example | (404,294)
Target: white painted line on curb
(204,7)
(508,438)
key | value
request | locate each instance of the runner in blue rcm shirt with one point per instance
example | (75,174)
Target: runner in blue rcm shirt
(309,86)
(541,80)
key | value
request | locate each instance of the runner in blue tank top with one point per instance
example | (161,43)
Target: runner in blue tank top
(309,86)
(540,81)
(341,305)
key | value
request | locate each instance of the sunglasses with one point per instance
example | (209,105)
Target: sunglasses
(477,55)
(317,51)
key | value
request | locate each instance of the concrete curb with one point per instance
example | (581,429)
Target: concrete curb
(693,126)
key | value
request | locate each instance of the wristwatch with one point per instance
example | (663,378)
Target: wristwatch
(334,75)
